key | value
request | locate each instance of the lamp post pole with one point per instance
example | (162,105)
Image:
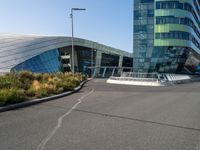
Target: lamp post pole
(72,38)
(92,55)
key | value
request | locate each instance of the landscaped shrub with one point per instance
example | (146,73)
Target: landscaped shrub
(11,96)
(38,89)
(17,87)
(31,92)
(80,77)
(41,93)
(68,86)
(8,81)
(25,78)
(38,76)
(26,75)
(45,77)
(73,80)
(50,87)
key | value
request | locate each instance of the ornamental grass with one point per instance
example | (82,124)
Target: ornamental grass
(25,85)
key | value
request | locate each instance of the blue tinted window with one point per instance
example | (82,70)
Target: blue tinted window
(46,62)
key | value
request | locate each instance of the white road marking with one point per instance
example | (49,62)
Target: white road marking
(41,146)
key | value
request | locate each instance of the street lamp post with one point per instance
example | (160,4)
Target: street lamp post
(72,23)
(92,55)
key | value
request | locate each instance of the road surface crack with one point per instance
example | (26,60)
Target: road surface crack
(139,120)
(42,145)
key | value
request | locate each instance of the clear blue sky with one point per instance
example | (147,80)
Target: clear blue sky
(105,21)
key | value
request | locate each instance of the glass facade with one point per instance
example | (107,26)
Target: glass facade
(127,62)
(47,62)
(169,59)
(178,20)
(109,60)
(85,61)
(175,42)
(48,54)
(143,34)
(86,58)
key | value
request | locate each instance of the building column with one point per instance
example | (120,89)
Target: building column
(98,62)
(120,65)
(120,61)
(75,61)
(104,72)
(113,71)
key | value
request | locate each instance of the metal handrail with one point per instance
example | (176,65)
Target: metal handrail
(134,79)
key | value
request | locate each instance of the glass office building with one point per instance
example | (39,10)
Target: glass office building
(167,36)
(49,54)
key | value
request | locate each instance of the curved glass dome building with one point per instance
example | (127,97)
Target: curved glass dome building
(47,54)
(167,36)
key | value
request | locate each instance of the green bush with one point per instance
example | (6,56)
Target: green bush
(26,75)
(68,86)
(73,80)
(8,81)
(38,76)
(25,78)
(11,96)
(31,92)
(51,88)
(80,77)
(41,93)
(45,77)
(17,87)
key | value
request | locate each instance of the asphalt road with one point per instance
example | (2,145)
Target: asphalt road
(108,117)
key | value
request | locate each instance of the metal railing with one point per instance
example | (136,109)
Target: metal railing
(134,79)
(107,71)
(126,74)
(163,78)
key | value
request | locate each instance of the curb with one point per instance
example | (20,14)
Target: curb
(41,100)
